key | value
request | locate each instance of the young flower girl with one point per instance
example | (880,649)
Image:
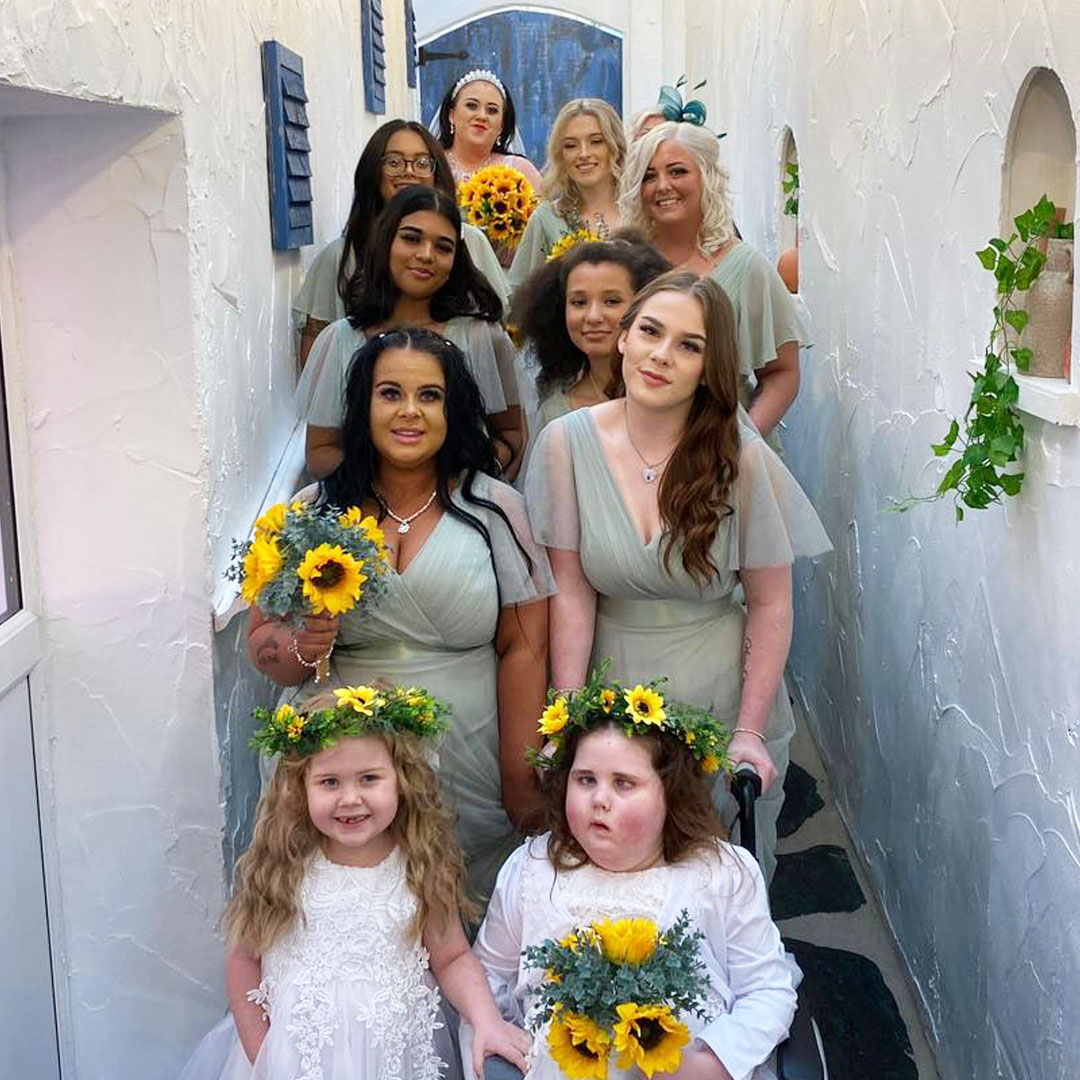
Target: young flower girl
(633,835)
(347,902)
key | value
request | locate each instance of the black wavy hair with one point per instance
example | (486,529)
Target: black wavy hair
(506,136)
(539,308)
(373,292)
(368,203)
(467,450)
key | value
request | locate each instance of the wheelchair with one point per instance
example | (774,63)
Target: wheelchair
(801,1055)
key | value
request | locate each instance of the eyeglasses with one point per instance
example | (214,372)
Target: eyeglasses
(398,165)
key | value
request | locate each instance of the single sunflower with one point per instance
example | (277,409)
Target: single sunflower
(646,706)
(579,1047)
(333,579)
(650,1037)
(555,717)
(261,564)
(361,699)
(627,941)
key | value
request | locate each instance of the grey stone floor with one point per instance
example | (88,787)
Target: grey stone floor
(862,931)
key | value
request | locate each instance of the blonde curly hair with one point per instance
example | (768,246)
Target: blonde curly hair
(265,901)
(716,227)
(559,188)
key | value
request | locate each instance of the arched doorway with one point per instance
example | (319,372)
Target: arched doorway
(545,59)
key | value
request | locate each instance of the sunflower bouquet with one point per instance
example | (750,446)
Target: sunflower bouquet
(616,989)
(306,559)
(638,710)
(570,240)
(499,200)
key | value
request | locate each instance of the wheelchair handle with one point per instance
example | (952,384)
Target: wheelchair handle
(745,788)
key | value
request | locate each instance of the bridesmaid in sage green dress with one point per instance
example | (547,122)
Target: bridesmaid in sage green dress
(653,508)
(463,612)
(675,189)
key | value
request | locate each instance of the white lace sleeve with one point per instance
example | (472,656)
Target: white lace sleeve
(524,575)
(776,522)
(550,491)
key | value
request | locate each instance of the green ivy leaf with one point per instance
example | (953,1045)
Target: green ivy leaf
(951,479)
(1024,223)
(998,244)
(1017,319)
(1022,358)
(988,257)
(959,513)
(1010,392)
(1028,268)
(1011,483)
(946,444)
(1066,231)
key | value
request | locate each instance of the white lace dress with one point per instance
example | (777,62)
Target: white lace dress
(346,992)
(751,997)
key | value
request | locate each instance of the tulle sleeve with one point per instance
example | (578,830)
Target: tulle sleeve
(480,342)
(523,571)
(320,394)
(485,260)
(768,315)
(550,491)
(318,297)
(544,228)
(775,522)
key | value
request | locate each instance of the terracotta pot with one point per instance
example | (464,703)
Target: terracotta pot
(787,266)
(1049,304)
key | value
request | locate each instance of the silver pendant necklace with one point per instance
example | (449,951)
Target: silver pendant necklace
(650,471)
(403,522)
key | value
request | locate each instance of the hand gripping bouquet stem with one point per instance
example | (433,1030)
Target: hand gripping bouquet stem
(310,560)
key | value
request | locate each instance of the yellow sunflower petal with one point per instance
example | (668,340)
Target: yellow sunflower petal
(649,1037)
(579,1047)
(627,941)
(333,579)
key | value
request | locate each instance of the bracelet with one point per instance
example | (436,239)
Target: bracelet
(311,665)
(747,731)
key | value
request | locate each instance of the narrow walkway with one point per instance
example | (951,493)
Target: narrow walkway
(854,981)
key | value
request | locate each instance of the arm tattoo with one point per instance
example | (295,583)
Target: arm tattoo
(746,646)
(268,654)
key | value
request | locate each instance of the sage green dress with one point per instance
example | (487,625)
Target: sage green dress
(651,621)
(766,314)
(434,627)
(489,354)
(319,298)
(546,226)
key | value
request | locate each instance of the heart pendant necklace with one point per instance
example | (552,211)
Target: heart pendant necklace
(650,470)
(403,522)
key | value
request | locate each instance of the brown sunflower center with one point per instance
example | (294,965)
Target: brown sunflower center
(650,1033)
(327,575)
(643,708)
(583,1049)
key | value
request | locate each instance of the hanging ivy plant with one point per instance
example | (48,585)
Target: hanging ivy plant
(790,187)
(989,440)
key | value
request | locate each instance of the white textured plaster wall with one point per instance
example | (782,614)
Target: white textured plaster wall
(150,331)
(938,662)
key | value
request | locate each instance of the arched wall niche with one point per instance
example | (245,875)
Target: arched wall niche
(787,232)
(1040,159)
(789,223)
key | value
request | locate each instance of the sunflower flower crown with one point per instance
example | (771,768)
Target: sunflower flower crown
(499,200)
(617,988)
(309,559)
(360,710)
(638,710)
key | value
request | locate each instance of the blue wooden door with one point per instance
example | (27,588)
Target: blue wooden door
(544,59)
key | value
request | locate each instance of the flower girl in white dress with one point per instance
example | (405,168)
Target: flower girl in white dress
(634,835)
(347,902)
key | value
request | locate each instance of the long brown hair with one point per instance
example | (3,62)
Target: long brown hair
(265,902)
(691,823)
(696,491)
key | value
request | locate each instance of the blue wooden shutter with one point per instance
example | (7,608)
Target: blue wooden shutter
(374,55)
(410,43)
(288,150)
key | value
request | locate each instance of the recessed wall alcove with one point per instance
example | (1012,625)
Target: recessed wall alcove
(1040,159)
(787,190)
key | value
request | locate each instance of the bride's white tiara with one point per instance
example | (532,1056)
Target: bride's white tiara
(479,75)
